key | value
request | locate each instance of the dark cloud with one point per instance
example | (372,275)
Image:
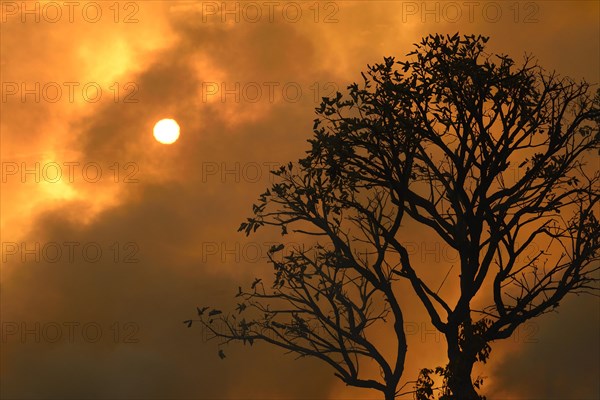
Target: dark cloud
(560,357)
(156,294)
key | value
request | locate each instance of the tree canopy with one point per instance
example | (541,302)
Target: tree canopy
(431,140)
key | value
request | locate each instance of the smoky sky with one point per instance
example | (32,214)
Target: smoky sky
(109,325)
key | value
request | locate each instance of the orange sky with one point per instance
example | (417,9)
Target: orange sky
(243,87)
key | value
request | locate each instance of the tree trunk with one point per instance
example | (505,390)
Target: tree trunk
(390,395)
(459,380)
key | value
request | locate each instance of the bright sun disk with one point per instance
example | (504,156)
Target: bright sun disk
(166,131)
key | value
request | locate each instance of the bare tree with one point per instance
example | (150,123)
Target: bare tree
(431,139)
(325,298)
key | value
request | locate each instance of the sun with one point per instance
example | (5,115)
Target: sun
(166,131)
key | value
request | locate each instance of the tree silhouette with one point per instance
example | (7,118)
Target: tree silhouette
(432,139)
